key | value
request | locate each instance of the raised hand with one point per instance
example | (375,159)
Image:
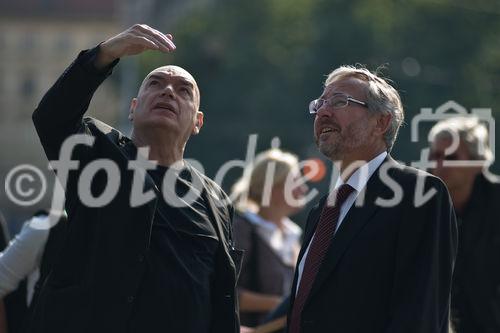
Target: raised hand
(134,40)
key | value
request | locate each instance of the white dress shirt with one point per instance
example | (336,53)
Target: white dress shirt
(358,182)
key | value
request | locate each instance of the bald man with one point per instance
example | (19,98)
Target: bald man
(157,255)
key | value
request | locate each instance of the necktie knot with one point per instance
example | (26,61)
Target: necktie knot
(340,195)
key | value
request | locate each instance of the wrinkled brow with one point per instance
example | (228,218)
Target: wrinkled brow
(179,79)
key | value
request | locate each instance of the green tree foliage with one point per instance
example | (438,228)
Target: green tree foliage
(260,62)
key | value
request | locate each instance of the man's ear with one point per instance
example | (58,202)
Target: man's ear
(383,123)
(133,106)
(199,123)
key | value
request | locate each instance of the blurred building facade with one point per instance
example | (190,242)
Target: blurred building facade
(38,40)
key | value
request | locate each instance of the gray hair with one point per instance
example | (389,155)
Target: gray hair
(381,97)
(470,131)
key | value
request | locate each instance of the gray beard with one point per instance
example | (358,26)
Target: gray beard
(332,152)
(352,138)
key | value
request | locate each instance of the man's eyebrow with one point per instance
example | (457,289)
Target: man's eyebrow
(156,77)
(186,82)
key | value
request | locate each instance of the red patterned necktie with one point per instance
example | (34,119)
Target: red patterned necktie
(319,245)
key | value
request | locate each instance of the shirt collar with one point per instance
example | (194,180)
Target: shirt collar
(360,177)
(289,227)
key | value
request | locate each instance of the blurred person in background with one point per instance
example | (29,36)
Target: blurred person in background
(263,229)
(26,262)
(4,232)
(475,302)
(22,257)
(4,239)
(13,306)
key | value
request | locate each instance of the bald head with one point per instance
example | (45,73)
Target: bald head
(178,72)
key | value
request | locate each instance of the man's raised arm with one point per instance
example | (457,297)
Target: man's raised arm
(61,110)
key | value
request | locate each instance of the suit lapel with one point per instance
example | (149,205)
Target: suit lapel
(353,223)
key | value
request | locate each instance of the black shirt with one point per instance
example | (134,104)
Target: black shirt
(175,294)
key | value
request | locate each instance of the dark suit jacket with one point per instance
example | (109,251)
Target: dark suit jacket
(388,269)
(92,285)
(476,288)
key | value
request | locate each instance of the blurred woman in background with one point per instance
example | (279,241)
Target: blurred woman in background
(265,197)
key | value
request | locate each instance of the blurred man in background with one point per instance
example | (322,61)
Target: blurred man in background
(476,285)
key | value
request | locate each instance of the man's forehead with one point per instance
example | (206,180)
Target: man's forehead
(347,85)
(172,71)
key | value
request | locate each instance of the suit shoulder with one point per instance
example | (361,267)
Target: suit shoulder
(407,175)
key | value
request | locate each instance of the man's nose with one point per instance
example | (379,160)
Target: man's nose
(324,111)
(168,91)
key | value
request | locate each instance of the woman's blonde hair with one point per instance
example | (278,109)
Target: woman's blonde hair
(270,167)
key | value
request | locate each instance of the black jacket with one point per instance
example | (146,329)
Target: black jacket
(92,285)
(388,269)
(476,287)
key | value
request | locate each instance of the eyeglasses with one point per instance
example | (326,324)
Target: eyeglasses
(337,101)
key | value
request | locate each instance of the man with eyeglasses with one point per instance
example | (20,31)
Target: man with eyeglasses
(475,301)
(379,249)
